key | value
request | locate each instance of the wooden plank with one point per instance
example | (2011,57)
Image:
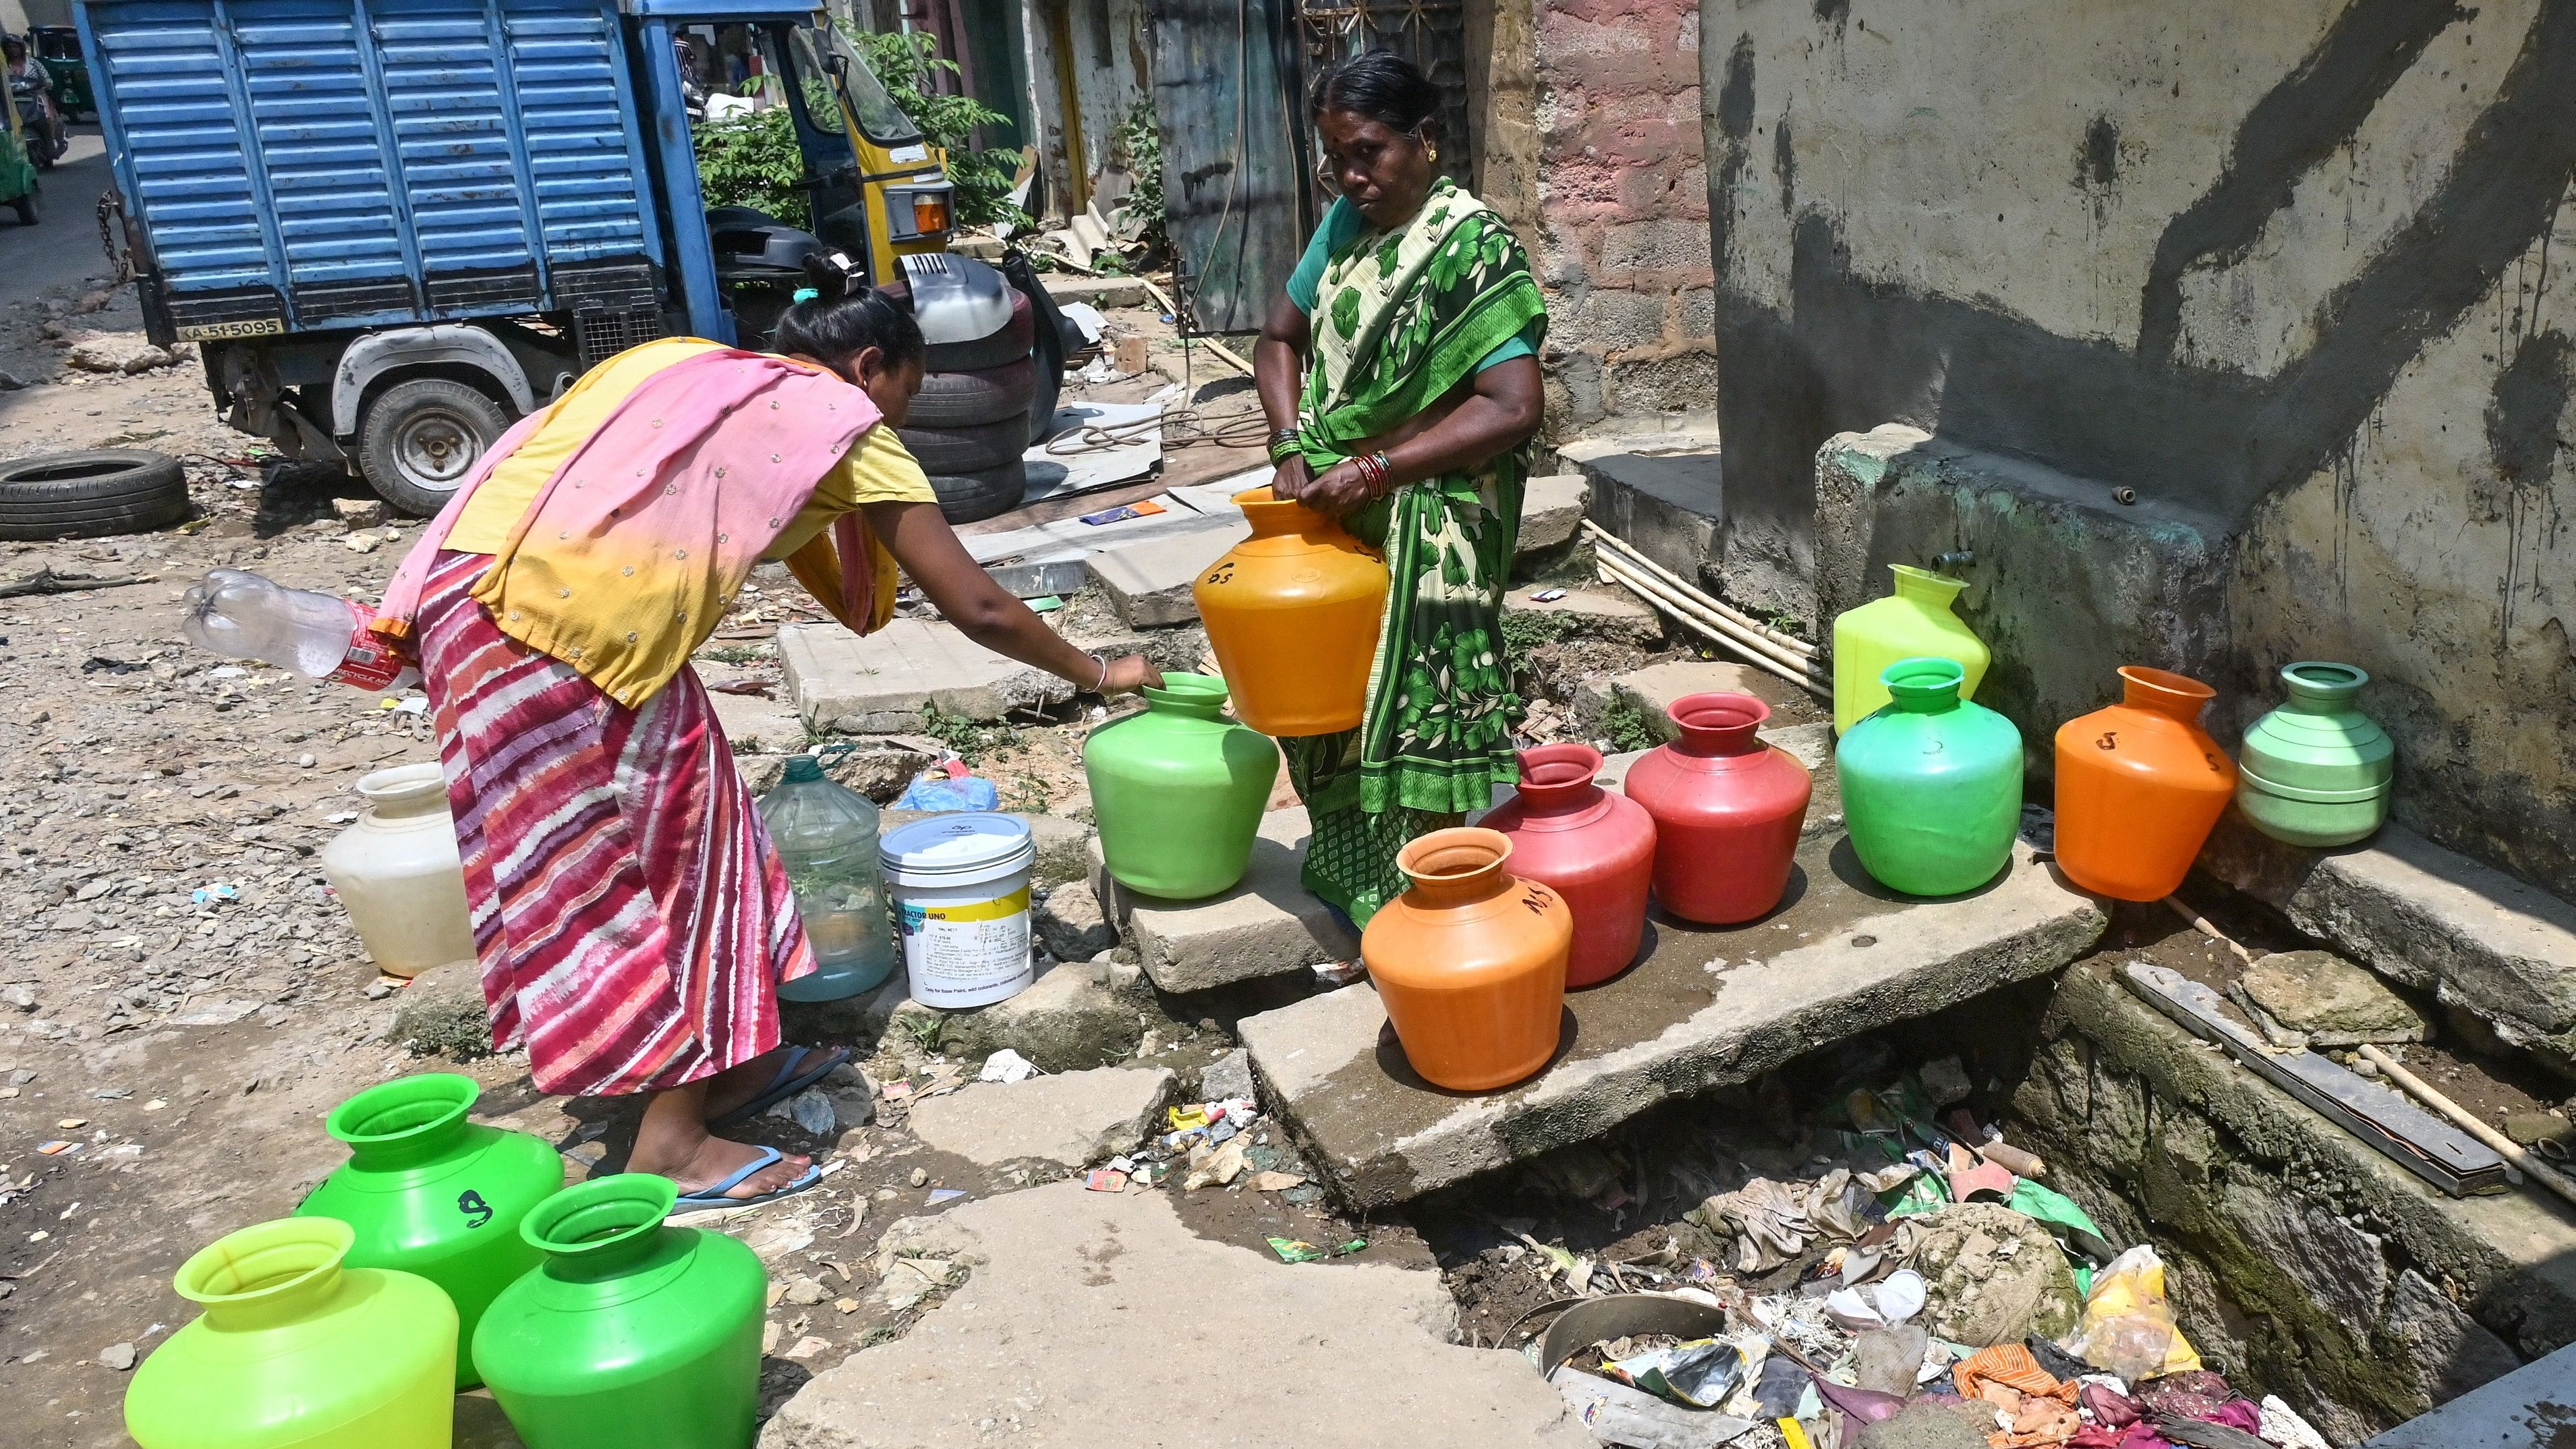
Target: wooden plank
(2413,1138)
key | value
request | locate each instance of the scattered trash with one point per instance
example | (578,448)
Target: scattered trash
(940,1195)
(1146,509)
(2128,1325)
(1007,1066)
(214,894)
(1275,1181)
(1296,1250)
(56,1148)
(1545,596)
(1105,1179)
(946,794)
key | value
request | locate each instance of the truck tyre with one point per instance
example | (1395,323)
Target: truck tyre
(30,207)
(965,497)
(1010,344)
(969,450)
(418,440)
(91,493)
(970,399)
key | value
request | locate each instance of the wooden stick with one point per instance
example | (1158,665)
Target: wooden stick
(2201,924)
(2505,1147)
(1700,596)
(1210,343)
(1701,624)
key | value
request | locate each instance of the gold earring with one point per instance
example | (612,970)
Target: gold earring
(1435,152)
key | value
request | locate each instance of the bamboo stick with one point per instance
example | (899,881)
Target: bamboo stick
(2505,1147)
(1700,625)
(2201,924)
(1709,601)
(1210,343)
(1655,591)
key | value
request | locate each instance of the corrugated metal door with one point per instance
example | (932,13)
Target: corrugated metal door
(1430,33)
(1226,77)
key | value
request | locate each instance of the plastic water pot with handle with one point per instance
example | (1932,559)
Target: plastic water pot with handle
(1931,784)
(1292,614)
(632,1332)
(1594,847)
(1177,791)
(396,870)
(297,1351)
(826,836)
(2139,785)
(961,904)
(2316,771)
(428,1192)
(1470,962)
(1915,622)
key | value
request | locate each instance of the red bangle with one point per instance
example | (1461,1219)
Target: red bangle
(1375,468)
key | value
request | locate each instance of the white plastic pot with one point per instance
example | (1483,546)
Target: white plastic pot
(397,872)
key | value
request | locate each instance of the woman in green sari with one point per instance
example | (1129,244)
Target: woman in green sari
(1400,377)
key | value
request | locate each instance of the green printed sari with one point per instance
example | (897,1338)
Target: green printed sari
(1401,318)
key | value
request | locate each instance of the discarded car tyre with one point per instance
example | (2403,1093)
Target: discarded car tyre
(89,493)
(971,399)
(1012,343)
(965,497)
(969,450)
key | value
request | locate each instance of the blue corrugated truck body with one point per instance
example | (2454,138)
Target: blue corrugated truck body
(303,165)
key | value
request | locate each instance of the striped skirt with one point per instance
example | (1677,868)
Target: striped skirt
(631,920)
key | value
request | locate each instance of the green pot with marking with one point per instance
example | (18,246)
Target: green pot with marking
(2316,771)
(1177,791)
(1931,783)
(431,1193)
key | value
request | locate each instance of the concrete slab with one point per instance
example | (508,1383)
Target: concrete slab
(1148,581)
(1651,691)
(845,684)
(754,726)
(1551,512)
(1101,292)
(1612,614)
(1072,1119)
(1076,1298)
(1666,504)
(1705,1007)
(2424,917)
(2534,1404)
(1268,925)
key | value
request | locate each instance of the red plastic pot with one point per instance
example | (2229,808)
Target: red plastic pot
(1727,811)
(1590,846)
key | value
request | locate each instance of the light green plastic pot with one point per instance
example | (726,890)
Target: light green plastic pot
(2316,771)
(1931,784)
(1177,791)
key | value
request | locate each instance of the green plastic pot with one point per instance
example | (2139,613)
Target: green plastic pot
(297,1351)
(1931,784)
(2316,771)
(632,1331)
(427,1192)
(1177,791)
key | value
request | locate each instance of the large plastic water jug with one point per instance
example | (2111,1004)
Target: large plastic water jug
(826,836)
(397,872)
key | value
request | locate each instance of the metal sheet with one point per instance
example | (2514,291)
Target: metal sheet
(1226,73)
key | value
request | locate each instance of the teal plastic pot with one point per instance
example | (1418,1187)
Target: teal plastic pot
(2316,771)
(427,1192)
(1931,783)
(1177,791)
(632,1331)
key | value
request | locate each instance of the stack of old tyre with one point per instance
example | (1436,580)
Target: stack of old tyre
(970,423)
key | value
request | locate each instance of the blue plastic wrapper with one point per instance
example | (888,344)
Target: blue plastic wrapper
(966,792)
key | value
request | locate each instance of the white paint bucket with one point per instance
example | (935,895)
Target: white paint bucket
(960,886)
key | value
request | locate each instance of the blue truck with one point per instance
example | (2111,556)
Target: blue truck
(394,226)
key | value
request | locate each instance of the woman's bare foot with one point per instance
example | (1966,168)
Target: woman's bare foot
(673,1141)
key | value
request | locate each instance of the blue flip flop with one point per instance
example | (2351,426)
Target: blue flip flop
(714,1197)
(795,1074)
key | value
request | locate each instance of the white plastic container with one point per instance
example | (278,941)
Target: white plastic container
(397,872)
(960,885)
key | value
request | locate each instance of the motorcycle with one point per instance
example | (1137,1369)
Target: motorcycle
(40,122)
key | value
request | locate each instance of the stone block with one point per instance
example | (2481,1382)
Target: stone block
(755,726)
(878,685)
(2342,1269)
(1655,246)
(2451,1354)
(1063,845)
(1148,581)
(1268,925)
(1665,505)
(1705,1007)
(1101,292)
(1605,613)
(2332,1001)
(1077,1015)
(2424,917)
(1651,692)
(1070,923)
(1071,1119)
(1551,512)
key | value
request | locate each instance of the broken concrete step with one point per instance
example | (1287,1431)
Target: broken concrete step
(1707,1006)
(1072,1119)
(1268,925)
(2425,917)
(1652,690)
(1148,581)
(2506,1413)
(1611,614)
(1666,503)
(1551,512)
(878,685)
(1101,292)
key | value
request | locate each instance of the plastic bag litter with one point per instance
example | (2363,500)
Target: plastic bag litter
(1701,1373)
(939,794)
(1878,1305)
(2128,1326)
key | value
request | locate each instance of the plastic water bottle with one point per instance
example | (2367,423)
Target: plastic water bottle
(244,616)
(826,836)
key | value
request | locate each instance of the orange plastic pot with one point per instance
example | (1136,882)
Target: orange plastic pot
(1470,962)
(2139,785)
(1292,614)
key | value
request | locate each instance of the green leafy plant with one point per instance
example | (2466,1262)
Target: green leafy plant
(907,65)
(1524,631)
(971,739)
(1138,146)
(752,161)
(1623,726)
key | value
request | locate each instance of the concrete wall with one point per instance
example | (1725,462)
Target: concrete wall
(1621,240)
(2283,271)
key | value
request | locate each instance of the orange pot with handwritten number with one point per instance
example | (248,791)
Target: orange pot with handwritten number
(1470,962)
(2139,785)
(1292,614)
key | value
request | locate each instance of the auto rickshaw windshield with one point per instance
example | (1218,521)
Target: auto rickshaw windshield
(882,120)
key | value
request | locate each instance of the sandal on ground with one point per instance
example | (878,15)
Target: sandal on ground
(714,1196)
(802,1067)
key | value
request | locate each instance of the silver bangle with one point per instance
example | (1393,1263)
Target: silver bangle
(1103,686)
